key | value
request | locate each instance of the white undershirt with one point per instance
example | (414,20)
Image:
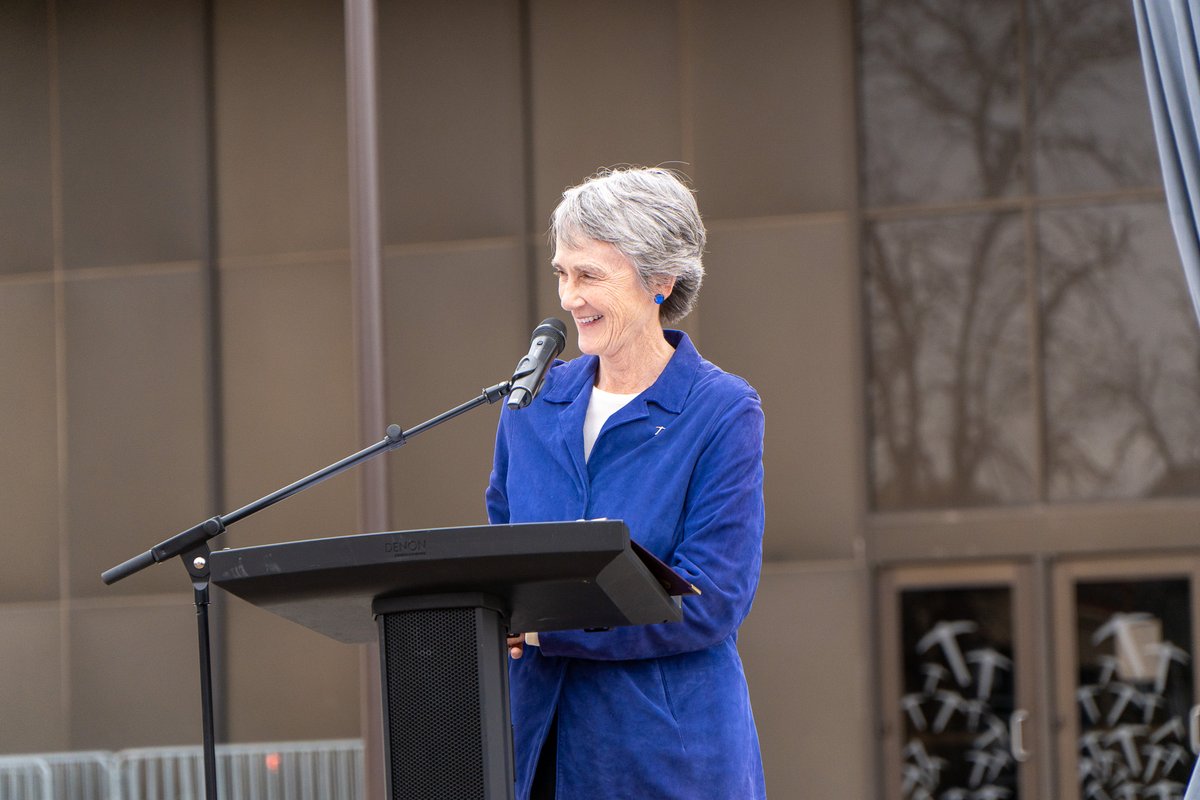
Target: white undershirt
(601,406)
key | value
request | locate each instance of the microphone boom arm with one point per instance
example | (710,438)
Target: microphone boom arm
(188,540)
(192,548)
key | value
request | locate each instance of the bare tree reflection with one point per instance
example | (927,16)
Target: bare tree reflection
(941,104)
(950,351)
(943,122)
(942,99)
(1122,357)
(1092,117)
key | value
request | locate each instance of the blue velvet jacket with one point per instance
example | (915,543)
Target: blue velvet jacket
(658,711)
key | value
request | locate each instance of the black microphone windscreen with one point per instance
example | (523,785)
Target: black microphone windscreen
(552,326)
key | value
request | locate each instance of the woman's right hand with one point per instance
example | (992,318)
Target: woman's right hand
(516,645)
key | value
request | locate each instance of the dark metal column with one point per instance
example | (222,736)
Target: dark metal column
(366,255)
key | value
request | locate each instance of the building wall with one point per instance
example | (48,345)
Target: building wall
(175,297)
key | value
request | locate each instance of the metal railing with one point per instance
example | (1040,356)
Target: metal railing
(326,770)
(25,778)
(81,775)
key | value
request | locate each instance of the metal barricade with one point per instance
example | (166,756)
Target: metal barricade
(25,778)
(329,770)
(294,771)
(160,773)
(88,775)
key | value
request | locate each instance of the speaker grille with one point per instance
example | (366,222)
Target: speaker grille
(434,719)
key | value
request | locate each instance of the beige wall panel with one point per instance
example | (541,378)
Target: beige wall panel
(780,308)
(31,697)
(773,99)
(29,431)
(606,91)
(289,400)
(806,661)
(450,106)
(455,323)
(135,680)
(132,111)
(285,682)
(137,434)
(24,137)
(281,126)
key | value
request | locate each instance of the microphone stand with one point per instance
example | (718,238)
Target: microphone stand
(192,547)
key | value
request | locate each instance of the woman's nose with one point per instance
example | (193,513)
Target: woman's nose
(568,297)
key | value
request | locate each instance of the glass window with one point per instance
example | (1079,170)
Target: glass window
(1121,349)
(941,105)
(1134,690)
(959,693)
(1090,111)
(988,130)
(952,421)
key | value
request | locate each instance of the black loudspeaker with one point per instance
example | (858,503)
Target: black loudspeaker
(445,695)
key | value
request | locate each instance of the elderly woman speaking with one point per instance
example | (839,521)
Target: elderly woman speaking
(640,428)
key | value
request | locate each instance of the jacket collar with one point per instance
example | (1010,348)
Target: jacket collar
(573,378)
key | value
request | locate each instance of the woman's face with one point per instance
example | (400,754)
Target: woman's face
(598,286)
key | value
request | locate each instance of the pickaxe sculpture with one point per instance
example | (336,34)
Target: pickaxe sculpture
(951,702)
(1124,734)
(1120,626)
(1124,693)
(934,675)
(989,661)
(946,634)
(1163,790)
(912,707)
(1166,652)
(1086,695)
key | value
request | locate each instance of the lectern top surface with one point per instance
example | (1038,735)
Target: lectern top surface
(549,576)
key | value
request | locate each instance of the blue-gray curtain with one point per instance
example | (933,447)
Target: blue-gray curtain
(1167,34)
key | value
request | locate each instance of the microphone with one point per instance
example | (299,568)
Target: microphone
(549,339)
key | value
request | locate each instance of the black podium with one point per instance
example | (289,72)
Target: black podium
(440,602)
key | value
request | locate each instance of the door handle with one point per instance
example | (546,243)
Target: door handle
(1016,734)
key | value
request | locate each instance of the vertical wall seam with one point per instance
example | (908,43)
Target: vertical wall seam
(868,578)
(687,86)
(685,20)
(530,234)
(1044,765)
(218,617)
(1037,387)
(60,362)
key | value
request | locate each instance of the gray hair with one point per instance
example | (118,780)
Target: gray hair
(650,216)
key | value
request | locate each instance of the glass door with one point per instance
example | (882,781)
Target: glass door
(1126,684)
(958,680)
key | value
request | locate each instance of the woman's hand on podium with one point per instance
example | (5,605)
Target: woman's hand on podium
(516,645)
(517,642)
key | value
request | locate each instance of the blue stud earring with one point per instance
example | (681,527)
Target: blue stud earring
(658,298)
